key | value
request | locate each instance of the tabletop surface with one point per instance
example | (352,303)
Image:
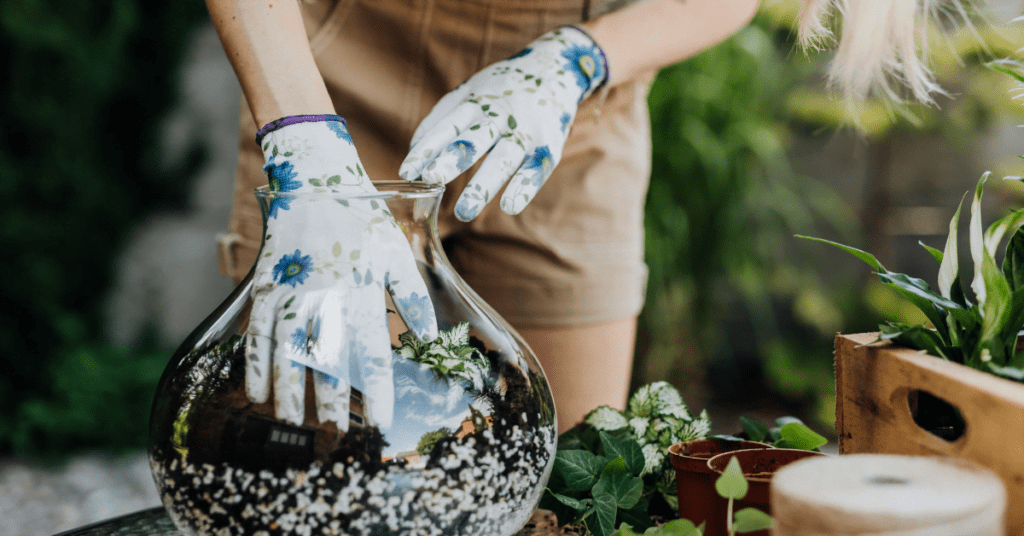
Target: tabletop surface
(156,522)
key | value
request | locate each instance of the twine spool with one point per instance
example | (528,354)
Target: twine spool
(887,495)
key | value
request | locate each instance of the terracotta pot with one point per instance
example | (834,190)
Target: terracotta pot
(695,481)
(759,466)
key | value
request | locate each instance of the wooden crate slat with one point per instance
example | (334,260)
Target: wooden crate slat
(873,382)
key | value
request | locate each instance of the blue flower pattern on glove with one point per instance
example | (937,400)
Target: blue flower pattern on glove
(465,210)
(318,282)
(293,269)
(515,115)
(541,164)
(521,53)
(340,130)
(281,178)
(465,151)
(418,312)
(585,64)
(303,338)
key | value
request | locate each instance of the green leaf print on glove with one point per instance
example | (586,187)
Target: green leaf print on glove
(318,293)
(517,111)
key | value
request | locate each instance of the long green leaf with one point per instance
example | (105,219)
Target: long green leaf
(949,268)
(977,239)
(918,337)
(862,255)
(996,311)
(932,251)
(995,232)
(918,293)
(1013,261)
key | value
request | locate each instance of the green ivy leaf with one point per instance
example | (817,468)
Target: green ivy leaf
(637,516)
(615,466)
(354,255)
(578,468)
(334,180)
(627,449)
(732,485)
(604,515)
(752,519)
(288,303)
(575,504)
(624,487)
(512,122)
(289,316)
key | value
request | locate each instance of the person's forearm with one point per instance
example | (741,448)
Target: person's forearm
(266,44)
(651,34)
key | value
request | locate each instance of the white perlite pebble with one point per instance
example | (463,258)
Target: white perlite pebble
(488,488)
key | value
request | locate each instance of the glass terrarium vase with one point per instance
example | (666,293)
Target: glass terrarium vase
(468,451)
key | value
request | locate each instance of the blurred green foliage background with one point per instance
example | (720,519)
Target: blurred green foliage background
(738,312)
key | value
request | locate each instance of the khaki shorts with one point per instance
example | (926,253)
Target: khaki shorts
(574,256)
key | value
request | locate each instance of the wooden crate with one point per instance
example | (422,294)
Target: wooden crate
(873,414)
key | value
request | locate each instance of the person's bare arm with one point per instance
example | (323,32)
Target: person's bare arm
(266,43)
(651,34)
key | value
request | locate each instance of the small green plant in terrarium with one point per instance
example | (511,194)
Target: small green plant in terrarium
(981,333)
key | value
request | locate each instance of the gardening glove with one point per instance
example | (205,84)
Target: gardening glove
(518,109)
(318,287)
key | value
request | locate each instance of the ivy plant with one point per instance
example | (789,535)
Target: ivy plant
(655,418)
(981,333)
(598,485)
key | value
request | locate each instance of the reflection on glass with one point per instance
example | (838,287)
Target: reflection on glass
(468,452)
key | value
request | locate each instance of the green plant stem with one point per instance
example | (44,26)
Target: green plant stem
(728,519)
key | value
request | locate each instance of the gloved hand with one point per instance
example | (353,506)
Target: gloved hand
(318,288)
(520,109)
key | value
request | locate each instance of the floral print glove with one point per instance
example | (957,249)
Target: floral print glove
(318,289)
(518,109)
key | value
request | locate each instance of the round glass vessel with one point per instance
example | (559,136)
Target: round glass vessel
(469,449)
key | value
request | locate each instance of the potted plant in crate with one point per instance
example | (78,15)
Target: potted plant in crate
(973,374)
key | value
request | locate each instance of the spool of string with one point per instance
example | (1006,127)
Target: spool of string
(887,495)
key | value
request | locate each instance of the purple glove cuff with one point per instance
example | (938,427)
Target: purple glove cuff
(295,119)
